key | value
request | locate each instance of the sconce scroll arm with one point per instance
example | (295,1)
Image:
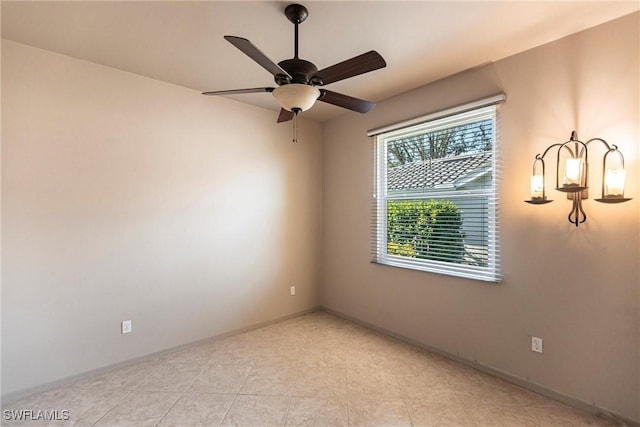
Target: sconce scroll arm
(541,156)
(610,149)
(606,144)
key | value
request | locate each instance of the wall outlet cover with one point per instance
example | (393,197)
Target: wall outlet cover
(126,326)
(536,344)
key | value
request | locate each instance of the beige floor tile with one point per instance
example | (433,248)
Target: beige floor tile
(501,416)
(196,355)
(225,355)
(317,412)
(322,356)
(419,363)
(530,398)
(128,377)
(484,390)
(368,357)
(454,371)
(432,414)
(365,411)
(270,380)
(95,403)
(220,379)
(396,355)
(288,355)
(198,410)
(139,409)
(170,377)
(374,382)
(321,382)
(257,411)
(428,388)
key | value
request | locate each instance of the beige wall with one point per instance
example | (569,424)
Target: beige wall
(122,199)
(128,198)
(577,288)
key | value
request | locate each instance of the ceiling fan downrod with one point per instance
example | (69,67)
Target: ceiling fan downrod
(296,13)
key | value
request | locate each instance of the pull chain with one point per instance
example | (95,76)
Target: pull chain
(295,111)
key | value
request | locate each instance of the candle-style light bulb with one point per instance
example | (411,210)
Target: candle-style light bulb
(537,187)
(614,183)
(613,177)
(537,181)
(573,169)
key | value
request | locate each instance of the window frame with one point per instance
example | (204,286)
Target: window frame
(478,110)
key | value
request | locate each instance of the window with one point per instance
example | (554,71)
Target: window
(434,202)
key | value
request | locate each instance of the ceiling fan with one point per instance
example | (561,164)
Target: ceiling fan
(297,79)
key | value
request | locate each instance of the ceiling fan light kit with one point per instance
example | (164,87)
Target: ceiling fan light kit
(296,97)
(297,78)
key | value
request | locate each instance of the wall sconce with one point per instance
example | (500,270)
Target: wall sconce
(573,156)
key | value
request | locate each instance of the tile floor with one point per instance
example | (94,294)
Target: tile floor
(314,370)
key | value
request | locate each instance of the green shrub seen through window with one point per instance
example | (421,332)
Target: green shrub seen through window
(425,229)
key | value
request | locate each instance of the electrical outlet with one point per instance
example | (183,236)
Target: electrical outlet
(536,344)
(292,290)
(126,326)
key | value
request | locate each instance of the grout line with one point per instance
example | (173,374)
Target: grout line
(184,392)
(286,416)
(169,410)
(348,394)
(112,407)
(228,409)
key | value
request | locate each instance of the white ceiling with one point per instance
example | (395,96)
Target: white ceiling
(182,42)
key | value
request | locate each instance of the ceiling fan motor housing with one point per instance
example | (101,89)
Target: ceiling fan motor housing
(300,71)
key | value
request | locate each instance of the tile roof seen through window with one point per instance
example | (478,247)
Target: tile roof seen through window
(443,172)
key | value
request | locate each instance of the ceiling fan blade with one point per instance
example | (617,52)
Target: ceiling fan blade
(240,91)
(254,53)
(357,65)
(345,101)
(285,115)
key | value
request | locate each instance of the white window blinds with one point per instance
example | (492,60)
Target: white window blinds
(435,204)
